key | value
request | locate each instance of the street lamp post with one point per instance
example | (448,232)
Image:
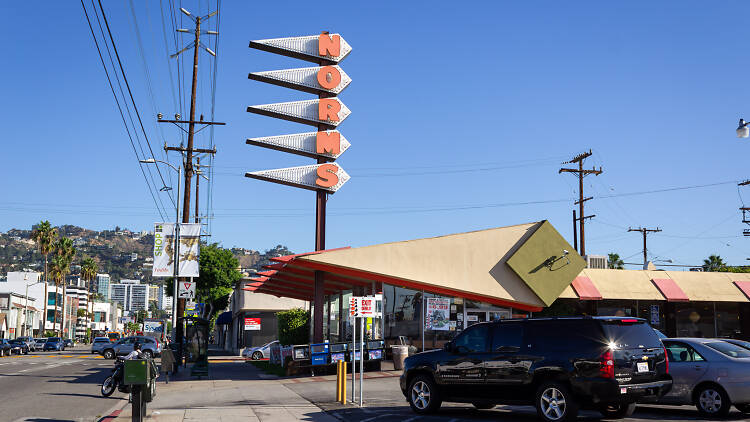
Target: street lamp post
(26,306)
(176,266)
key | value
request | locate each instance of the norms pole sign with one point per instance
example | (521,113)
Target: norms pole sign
(326,112)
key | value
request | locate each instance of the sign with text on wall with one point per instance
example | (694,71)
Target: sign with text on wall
(252,324)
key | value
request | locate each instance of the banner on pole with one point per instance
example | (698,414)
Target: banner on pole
(438,315)
(163,250)
(190,234)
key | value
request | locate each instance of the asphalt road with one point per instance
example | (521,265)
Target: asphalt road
(385,403)
(55,386)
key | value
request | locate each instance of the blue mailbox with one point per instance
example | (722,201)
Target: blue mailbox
(319,354)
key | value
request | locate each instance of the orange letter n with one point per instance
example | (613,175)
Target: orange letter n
(328,109)
(329,45)
(328,143)
(327,176)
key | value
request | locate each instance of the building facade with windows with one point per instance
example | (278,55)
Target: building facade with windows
(102,285)
(131,294)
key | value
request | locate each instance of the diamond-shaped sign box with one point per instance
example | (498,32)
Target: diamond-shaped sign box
(329,143)
(327,111)
(315,80)
(329,177)
(323,48)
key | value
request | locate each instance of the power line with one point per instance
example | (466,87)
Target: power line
(122,116)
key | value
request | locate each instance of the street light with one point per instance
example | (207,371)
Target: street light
(742,130)
(176,266)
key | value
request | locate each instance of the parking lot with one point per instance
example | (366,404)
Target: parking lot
(385,403)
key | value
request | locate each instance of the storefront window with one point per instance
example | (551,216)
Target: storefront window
(402,309)
(695,319)
(441,321)
(728,319)
(653,312)
(620,308)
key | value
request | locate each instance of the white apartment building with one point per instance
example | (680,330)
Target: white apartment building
(106,318)
(165,301)
(131,294)
(81,294)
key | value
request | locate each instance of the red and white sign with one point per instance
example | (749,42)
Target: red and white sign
(328,176)
(363,306)
(315,80)
(328,143)
(326,111)
(186,290)
(330,48)
(252,324)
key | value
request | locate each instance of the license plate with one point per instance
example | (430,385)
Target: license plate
(642,366)
(623,390)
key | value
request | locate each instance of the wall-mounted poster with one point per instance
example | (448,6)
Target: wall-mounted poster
(438,314)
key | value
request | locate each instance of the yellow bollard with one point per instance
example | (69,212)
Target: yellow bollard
(338,381)
(343,382)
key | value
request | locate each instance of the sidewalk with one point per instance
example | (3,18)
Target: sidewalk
(234,391)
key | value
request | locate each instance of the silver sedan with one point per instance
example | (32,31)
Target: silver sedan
(709,373)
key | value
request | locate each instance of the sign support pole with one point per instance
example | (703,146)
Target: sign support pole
(354,359)
(362,358)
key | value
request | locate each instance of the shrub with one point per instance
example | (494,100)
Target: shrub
(294,326)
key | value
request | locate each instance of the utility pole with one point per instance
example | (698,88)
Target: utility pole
(191,131)
(745,210)
(581,199)
(645,233)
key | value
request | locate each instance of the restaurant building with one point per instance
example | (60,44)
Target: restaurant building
(433,288)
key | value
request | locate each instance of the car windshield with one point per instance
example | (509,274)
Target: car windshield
(101,340)
(53,339)
(630,335)
(729,349)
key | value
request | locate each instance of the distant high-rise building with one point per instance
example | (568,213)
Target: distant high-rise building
(131,294)
(102,285)
(165,301)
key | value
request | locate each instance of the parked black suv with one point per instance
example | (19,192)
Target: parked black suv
(557,364)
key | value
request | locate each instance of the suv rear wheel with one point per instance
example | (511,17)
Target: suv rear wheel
(617,411)
(712,400)
(555,403)
(147,354)
(423,395)
(109,354)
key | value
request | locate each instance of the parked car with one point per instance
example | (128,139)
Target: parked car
(99,344)
(260,352)
(29,342)
(557,364)
(19,347)
(4,347)
(39,343)
(150,347)
(68,342)
(54,343)
(711,374)
(742,343)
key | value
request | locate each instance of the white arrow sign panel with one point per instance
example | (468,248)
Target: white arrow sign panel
(328,48)
(328,111)
(329,177)
(315,80)
(329,143)
(186,290)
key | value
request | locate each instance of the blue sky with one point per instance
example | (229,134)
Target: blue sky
(458,117)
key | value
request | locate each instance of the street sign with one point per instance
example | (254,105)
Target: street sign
(363,306)
(327,48)
(315,80)
(329,176)
(186,290)
(325,111)
(329,143)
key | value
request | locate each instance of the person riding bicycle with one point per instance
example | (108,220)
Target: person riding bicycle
(136,353)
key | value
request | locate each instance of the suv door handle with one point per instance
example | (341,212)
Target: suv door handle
(697,368)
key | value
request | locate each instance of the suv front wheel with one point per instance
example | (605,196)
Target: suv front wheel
(554,402)
(109,354)
(423,395)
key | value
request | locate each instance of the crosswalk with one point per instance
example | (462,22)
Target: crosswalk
(29,364)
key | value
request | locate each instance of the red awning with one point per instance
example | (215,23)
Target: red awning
(744,286)
(585,289)
(670,290)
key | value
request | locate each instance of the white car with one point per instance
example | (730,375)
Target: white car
(99,344)
(260,352)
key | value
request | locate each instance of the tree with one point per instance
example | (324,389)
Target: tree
(89,269)
(218,275)
(57,271)
(713,263)
(65,251)
(44,236)
(140,316)
(294,326)
(614,262)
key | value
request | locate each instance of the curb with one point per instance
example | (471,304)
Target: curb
(114,411)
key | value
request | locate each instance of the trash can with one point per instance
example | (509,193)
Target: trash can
(400,353)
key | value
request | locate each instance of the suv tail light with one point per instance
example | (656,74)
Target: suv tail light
(666,359)
(607,365)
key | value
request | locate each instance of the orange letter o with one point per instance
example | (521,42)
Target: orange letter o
(329,77)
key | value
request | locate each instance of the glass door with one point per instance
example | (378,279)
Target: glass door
(474,316)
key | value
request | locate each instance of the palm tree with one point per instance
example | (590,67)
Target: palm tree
(45,235)
(88,273)
(714,263)
(57,271)
(614,262)
(65,250)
